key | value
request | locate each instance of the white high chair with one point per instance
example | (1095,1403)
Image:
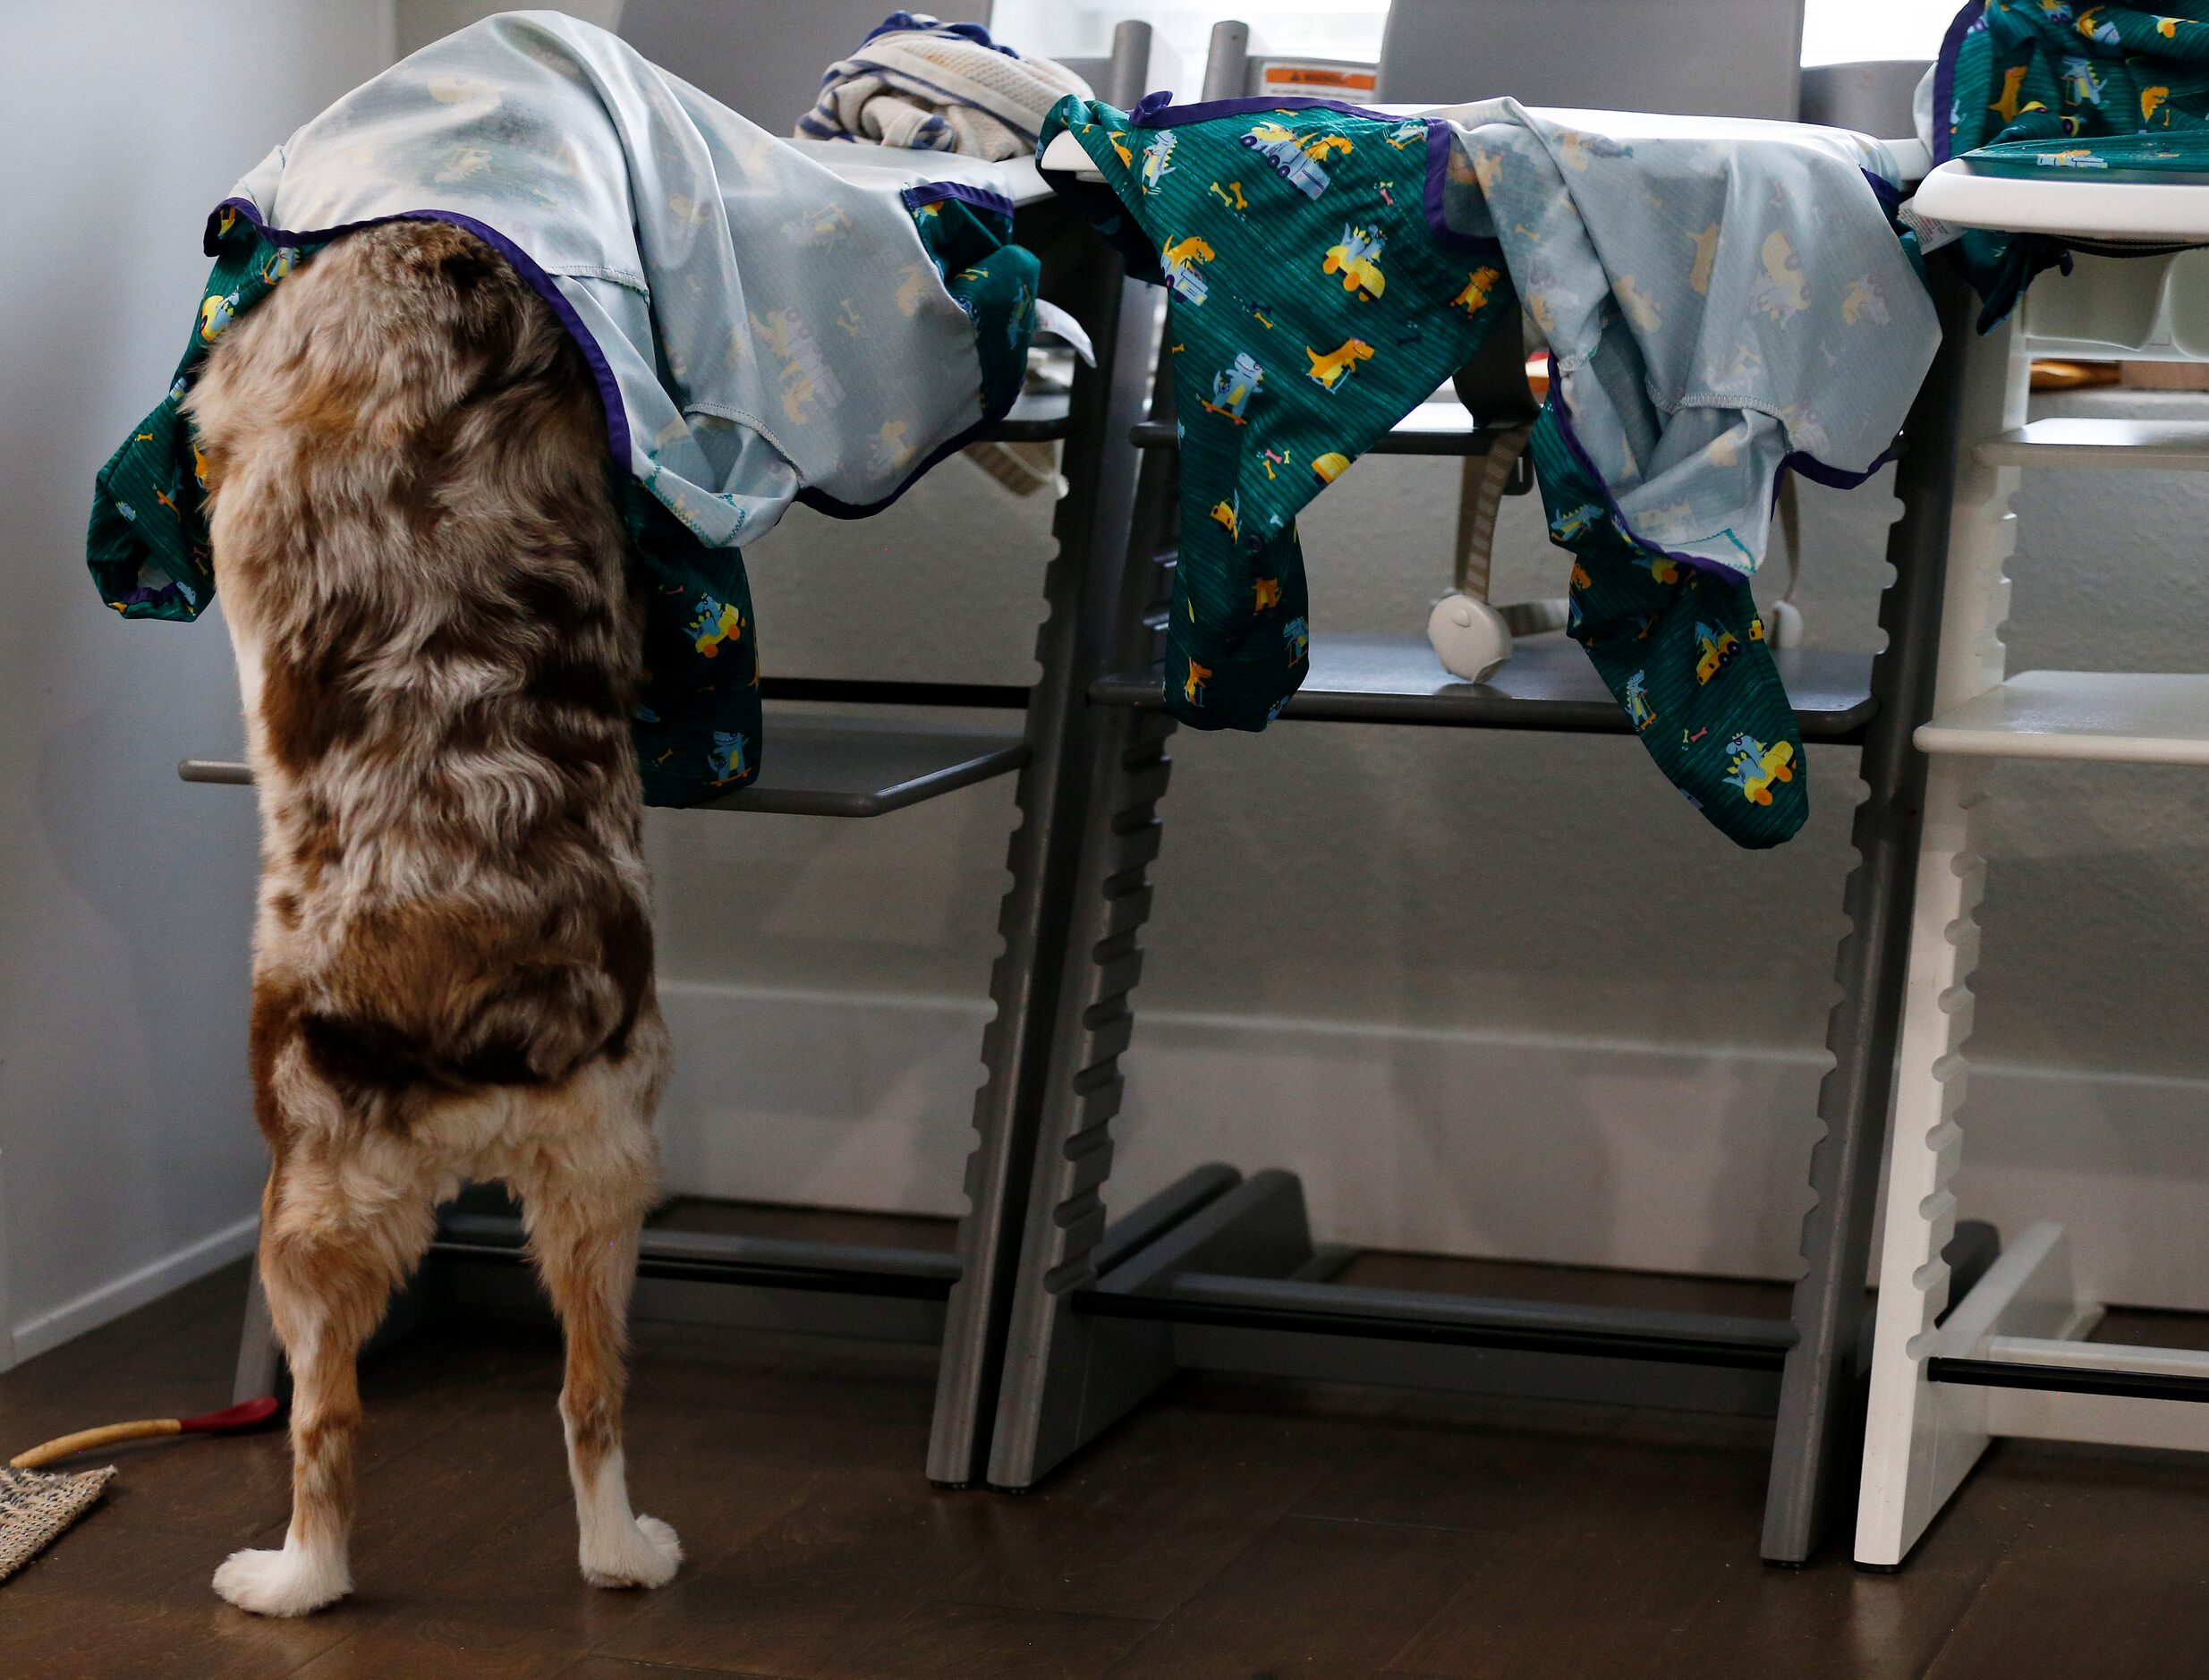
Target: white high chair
(2009,1358)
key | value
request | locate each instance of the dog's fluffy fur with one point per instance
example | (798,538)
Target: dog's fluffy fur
(423,574)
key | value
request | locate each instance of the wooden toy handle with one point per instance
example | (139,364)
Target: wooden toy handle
(107,1434)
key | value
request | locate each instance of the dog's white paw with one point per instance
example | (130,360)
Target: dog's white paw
(645,1554)
(286,1583)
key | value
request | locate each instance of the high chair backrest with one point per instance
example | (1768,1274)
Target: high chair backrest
(1693,57)
(762,58)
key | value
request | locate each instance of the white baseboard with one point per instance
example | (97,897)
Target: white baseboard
(1662,1158)
(35,1335)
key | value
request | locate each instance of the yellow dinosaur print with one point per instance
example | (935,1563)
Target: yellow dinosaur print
(1231,195)
(895,450)
(1317,150)
(215,314)
(709,629)
(2167,28)
(1178,259)
(1780,291)
(1193,691)
(2006,107)
(1863,302)
(1755,766)
(1580,578)
(2152,99)
(1478,285)
(1268,590)
(914,287)
(1640,307)
(1127,158)
(1191,249)
(1706,254)
(199,465)
(1356,258)
(1223,514)
(1332,368)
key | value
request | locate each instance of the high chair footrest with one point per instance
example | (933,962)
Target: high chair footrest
(2141,445)
(2111,717)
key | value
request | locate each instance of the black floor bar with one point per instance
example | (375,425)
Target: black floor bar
(2130,1385)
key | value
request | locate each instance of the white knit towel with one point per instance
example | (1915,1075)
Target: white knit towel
(938,87)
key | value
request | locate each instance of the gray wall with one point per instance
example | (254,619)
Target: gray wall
(126,1154)
(1499,992)
(1537,883)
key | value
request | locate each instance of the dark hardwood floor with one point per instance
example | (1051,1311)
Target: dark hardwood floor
(1229,1530)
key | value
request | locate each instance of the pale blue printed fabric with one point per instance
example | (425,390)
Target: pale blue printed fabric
(1720,295)
(773,328)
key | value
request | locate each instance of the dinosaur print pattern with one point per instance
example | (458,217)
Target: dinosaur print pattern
(1479,286)
(1233,386)
(1157,160)
(1779,289)
(1179,259)
(1356,258)
(713,623)
(1332,368)
(726,762)
(1753,766)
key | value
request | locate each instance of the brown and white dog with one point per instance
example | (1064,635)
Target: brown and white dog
(425,581)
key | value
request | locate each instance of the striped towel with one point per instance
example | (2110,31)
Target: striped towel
(938,87)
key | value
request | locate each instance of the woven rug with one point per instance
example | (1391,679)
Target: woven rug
(36,1507)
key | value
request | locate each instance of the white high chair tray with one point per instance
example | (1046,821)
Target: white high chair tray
(1017,178)
(2153,212)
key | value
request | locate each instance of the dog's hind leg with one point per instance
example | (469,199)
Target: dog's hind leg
(584,1197)
(329,1255)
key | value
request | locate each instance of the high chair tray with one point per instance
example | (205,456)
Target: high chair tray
(1547,684)
(2147,212)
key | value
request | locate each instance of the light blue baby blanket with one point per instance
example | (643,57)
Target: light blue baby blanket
(1721,296)
(773,328)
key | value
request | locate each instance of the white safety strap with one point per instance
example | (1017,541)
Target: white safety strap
(1052,319)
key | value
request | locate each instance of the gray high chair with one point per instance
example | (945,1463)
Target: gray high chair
(1219,1271)
(882,762)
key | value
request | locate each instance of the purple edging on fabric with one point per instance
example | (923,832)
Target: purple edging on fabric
(1945,76)
(1157,110)
(1796,461)
(617,439)
(936,192)
(903,22)
(1802,461)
